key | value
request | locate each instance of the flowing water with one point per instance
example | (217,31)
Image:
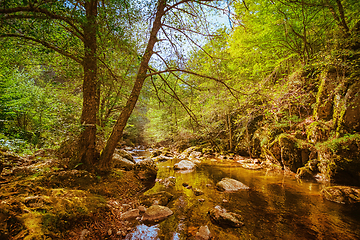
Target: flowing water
(275,207)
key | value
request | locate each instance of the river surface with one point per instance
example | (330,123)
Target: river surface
(276,206)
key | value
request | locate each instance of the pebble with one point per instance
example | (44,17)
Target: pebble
(109,232)
(225,201)
(189,187)
(201,200)
(208,185)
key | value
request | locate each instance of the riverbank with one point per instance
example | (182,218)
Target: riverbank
(42,198)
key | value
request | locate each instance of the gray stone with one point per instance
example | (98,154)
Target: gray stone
(203,233)
(131,214)
(121,162)
(231,185)
(125,154)
(184,165)
(195,154)
(156,213)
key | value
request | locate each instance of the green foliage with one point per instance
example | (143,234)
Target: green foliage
(342,143)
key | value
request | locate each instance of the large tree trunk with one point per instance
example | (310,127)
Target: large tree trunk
(87,143)
(106,155)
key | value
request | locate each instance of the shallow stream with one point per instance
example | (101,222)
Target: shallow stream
(276,206)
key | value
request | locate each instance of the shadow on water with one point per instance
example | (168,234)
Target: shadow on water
(275,207)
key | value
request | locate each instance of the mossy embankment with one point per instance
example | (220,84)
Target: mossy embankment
(309,125)
(41,198)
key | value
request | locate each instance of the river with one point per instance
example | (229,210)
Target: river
(277,206)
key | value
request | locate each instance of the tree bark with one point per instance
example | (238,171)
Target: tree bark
(87,142)
(106,155)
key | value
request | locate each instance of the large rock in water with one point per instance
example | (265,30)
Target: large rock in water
(342,194)
(223,218)
(146,170)
(156,213)
(229,184)
(184,165)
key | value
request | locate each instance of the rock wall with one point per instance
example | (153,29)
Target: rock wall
(323,144)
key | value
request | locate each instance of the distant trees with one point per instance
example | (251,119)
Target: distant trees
(271,43)
(84,31)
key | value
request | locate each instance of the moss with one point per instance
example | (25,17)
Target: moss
(317,131)
(340,159)
(337,144)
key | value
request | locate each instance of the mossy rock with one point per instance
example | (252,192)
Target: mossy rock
(161,198)
(340,159)
(70,178)
(347,112)
(317,132)
(325,96)
(342,194)
(289,152)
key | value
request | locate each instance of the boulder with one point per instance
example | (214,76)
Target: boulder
(223,218)
(342,194)
(159,198)
(156,213)
(229,184)
(161,158)
(184,165)
(146,170)
(339,160)
(203,233)
(121,162)
(195,154)
(125,154)
(156,153)
(186,152)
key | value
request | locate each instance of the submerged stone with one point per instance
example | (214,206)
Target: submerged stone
(223,218)
(229,184)
(160,198)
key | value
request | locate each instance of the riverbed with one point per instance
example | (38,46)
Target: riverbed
(277,205)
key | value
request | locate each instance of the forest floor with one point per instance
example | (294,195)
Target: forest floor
(41,198)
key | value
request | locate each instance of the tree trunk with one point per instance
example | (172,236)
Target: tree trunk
(230,132)
(87,143)
(106,155)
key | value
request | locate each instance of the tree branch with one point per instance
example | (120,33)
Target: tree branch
(51,15)
(45,44)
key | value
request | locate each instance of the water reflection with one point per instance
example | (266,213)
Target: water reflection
(276,206)
(143,232)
